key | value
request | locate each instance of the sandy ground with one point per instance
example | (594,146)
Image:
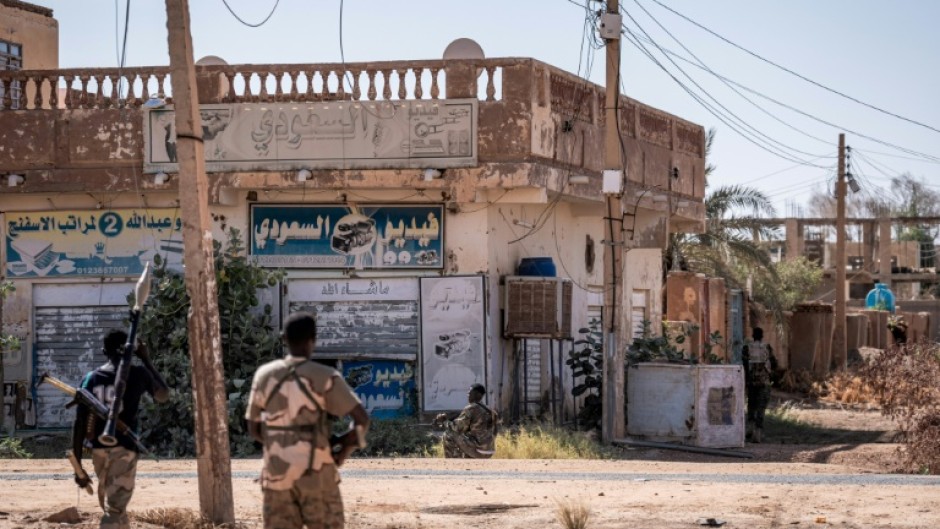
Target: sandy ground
(650,488)
(786,485)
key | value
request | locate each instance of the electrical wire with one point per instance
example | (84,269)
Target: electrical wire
(249,24)
(725,115)
(633,39)
(798,75)
(729,85)
(920,156)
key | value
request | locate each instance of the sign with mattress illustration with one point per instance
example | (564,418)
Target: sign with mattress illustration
(116,242)
(385,387)
(453,326)
(338,236)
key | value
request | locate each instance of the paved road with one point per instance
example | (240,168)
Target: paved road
(771,479)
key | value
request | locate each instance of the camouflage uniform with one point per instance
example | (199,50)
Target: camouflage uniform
(291,399)
(759,363)
(472,434)
(116,469)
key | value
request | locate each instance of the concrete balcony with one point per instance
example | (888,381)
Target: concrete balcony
(65,132)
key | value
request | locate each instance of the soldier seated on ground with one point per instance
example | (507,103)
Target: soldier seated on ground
(473,433)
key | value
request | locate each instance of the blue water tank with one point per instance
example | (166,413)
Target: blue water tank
(536,266)
(880,298)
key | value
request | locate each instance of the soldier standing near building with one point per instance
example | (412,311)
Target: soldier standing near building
(473,433)
(116,467)
(759,364)
(288,411)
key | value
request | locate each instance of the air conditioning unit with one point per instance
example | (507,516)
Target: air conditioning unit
(537,307)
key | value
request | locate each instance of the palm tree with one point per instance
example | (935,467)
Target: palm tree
(728,240)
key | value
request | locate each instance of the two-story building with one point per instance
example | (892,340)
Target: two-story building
(398,197)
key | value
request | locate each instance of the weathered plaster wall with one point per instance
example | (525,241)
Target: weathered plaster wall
(35,30)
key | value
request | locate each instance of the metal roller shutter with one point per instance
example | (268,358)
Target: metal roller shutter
(67,340)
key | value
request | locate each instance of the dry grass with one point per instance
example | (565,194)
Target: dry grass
(549,442)
(844,387)
(174,518)
(572,514)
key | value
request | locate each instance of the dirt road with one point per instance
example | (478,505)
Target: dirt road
(649,488)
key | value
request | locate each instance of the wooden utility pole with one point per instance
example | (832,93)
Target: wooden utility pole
(213,461)
(839,351)
(613,414)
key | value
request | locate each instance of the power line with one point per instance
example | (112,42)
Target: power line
(791,72)
(728,84)
(633,39)
(249,24)
(928,158)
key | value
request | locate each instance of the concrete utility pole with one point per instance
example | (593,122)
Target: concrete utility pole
(613,413)
(839,352)
(213,461)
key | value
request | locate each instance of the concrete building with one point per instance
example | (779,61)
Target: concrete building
(398,204)
(29,40)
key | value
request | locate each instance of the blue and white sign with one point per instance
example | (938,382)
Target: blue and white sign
(334,236)
(385,387)
(115,242)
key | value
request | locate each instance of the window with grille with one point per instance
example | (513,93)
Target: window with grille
(11,58)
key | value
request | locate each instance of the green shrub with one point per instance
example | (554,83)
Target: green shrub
(248,340)
(12,448)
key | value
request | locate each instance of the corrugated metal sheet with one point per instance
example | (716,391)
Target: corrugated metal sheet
(364,329)
(67,344)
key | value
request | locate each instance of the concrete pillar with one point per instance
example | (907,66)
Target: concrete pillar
(794,234)
(877,328)
(804,337)
(868,247)
(884,251)
(718,314)
(856,326)
(823,360)
(685,301)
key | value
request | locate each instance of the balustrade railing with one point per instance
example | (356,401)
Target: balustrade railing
(103,88)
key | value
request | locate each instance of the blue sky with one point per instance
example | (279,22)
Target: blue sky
(877,51)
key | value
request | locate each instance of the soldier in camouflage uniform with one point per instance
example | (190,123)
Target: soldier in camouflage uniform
(116,467)
(473,433)
(759,364)
(288,411)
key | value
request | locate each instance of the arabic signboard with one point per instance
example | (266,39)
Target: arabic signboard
(90,243)
(453,329)
(385,387)
(326,135)
(334,236)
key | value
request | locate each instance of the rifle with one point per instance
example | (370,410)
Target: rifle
(141,291)
(86,398)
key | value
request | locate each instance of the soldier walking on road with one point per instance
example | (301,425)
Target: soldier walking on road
(759,364)
(116,467)
(473,433)
(288,411)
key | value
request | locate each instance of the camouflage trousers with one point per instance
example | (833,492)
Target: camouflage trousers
(758,396)
(458,445)
(116,469)
(313,502)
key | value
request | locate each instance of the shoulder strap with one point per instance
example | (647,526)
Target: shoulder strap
(292,374)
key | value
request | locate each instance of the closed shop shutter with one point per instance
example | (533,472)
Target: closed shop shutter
(67,340)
